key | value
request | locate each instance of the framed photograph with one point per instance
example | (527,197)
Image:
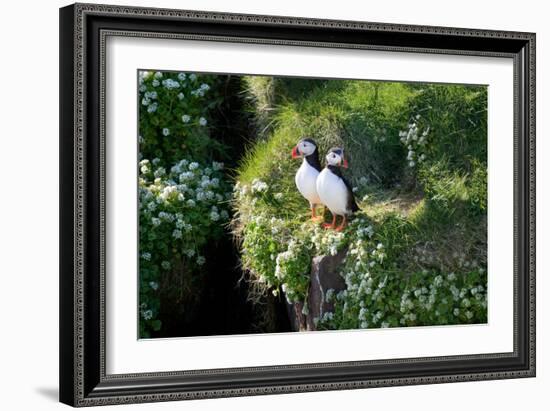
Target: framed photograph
(261,204)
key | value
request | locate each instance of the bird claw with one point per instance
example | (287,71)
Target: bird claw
(327,226)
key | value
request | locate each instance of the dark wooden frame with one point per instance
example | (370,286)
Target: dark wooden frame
(83,30)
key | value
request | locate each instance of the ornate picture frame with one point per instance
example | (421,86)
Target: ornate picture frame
(84,29)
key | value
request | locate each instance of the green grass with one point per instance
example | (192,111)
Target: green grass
(426,222)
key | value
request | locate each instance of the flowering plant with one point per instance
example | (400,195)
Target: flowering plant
(182,192)
(174,115)
(179,211)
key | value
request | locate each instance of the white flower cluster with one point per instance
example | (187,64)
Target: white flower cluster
(170,84)
(258,186)
(286,263)
(149,98)
(167,201)
(201,91)
(147,314)
(327,241)
(415,141)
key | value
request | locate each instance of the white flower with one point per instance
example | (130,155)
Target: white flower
(191,203)
(258,186)
(216,166)
(156,83)
(170,84)
(181,76)
(158,75)
(192,77)
(456,312)
(154,285)
(163,215)
(189,252)
(214,216)
(185,118)
(193,166)
(278,196)
(159,172)
(165,265)
(166,131)
(147,315)
(181,96)
(146,256)
(156,221)
(152,108)
(201,260)
(185,176)
(202,121)
(176,234)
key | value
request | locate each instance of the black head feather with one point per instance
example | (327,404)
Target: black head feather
(313,158)
(337,150)
(309,140)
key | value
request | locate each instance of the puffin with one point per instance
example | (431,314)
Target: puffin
(334,190)
(306,176)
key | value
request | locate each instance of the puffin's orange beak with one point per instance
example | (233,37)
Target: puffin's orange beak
(345,163)
(295,152)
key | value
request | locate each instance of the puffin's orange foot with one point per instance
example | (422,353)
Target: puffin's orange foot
(342,226)
(332,224)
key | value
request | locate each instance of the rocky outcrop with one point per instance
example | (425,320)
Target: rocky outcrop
(324,275)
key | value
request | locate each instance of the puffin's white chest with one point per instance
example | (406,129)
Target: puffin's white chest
(306,180)
(333,192)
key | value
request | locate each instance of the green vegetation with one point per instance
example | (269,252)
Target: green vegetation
(416,252)
(183,192)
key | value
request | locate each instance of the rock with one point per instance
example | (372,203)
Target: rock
(324,275)
(296,317)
